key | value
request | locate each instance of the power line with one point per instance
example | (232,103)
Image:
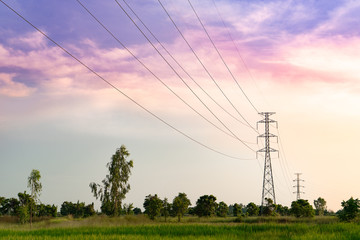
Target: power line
(178,75)
(117,89)
(222,59)
(284,170)
(202,64)
(282,152)
(152,73)
(238,52)
(182,68)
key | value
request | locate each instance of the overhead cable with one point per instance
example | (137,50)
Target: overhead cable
(238,51)
(182,68)
(162,82)
(202,64)
(117,89)
(222,59)
(178,75)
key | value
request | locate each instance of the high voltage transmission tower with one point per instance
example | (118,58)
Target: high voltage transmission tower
(268,191)
(298,186)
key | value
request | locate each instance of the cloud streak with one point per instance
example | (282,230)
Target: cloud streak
(10,88)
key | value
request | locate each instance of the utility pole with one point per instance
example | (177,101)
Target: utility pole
(298,186)
(268,190)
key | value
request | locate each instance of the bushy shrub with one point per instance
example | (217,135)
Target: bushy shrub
(302,208)
(350,209)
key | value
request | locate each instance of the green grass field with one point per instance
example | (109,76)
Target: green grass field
(191,228)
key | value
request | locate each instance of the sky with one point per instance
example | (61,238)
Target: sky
(296,58)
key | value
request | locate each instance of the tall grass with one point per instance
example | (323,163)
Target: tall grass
(135,227)
(194,231)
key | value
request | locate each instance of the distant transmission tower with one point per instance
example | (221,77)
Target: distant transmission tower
(298,186)
(268,190)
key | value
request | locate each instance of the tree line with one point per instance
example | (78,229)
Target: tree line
(207,206)
(28,207)
(113,189)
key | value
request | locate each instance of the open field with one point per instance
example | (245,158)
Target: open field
(191,228)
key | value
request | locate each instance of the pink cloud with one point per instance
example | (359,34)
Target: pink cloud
(10,88)
(31,39)
(308,58)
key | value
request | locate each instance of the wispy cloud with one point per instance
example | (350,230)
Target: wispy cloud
(343,20)
(10,88)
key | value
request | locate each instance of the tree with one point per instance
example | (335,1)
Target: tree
(252,209)
(237,209)
(35,187)
(26,203)
(180,205)
(270,208)
(191,211)
(282,210)
(10,206)
(89,210)
(23,213)
(67,208)
(166,208)
(137,211)
(206,206)
(26,200)
(2,200)
(153,205)
(46,210)
(115,185)
(301,208)
(320,206)
(128,209)
(78,210)
(222,209)
(350,209)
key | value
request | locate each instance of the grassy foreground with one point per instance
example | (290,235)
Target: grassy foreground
(141,228)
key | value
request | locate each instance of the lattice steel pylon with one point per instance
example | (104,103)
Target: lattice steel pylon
(268,190)
(298,186)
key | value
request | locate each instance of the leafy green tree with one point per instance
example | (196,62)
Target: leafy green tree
(252,209)
(137,211)
(350,209)
(180,205)
(206,206)
(89,210)
(115,185)
(26,203)
(320,206)
(128,209)
(67,208)
(191,211)
(23,213)
(10,206)
(26,200)
(78,210)
(166,208)
(301,208)
(153,205)
(282,210)
(35,187)
(46,210)
(2,200)
(237,209)
(222,209)
(270,208)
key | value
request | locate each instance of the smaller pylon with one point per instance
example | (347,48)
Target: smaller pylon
(298,186)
